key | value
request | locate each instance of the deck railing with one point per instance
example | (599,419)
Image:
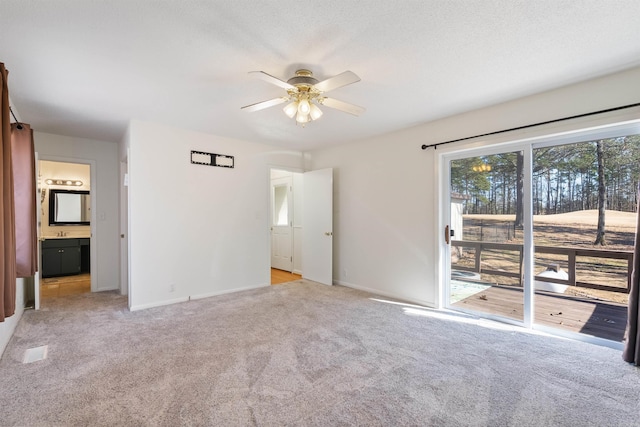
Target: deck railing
(570,253)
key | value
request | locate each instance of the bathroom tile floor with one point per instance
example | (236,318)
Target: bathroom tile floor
(65,285)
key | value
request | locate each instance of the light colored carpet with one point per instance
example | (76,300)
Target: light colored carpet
(301,354)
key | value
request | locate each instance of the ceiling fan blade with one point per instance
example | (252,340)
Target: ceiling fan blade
(342,106)
(264,104)
(270,79)
(335,82)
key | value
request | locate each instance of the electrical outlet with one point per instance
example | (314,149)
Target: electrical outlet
(172,287)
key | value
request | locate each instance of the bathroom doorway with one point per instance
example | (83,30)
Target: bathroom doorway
(65,221)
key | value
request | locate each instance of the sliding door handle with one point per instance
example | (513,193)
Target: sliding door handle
(447,235)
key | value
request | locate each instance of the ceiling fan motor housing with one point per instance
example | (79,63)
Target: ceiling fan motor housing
(303,80)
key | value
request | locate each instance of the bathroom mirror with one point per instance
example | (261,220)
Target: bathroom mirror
(69,207)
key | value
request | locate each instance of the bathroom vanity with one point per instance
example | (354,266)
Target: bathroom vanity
(65,257)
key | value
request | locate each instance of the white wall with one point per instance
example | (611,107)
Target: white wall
(105,242)
(388,235)
(383,216)
(197,231)
(9,325)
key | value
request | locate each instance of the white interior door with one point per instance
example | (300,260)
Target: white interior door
(317,217)
(124,225)
(282,224)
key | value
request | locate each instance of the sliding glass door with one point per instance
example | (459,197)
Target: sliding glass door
(486,234)
(584,206)
(543,235)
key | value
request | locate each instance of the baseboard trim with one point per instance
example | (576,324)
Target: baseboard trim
(106,289)
(228,291)
(385,294)
(158,304)
(8,328)
(194,297)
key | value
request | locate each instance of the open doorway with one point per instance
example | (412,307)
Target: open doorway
(64,220)
(309,217)
(285,221)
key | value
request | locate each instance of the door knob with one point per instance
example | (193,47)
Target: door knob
(328,233)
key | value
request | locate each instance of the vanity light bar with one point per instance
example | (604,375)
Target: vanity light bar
(72,182)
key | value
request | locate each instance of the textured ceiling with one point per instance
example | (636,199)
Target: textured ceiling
(86,67)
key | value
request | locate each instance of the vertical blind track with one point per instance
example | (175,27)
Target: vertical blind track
(435,146)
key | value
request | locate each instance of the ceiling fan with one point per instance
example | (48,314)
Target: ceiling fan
(305,93)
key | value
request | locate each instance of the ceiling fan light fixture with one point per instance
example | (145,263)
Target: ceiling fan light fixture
(305,94)
(304,107)
(303,118)
(291,109)
(315,112)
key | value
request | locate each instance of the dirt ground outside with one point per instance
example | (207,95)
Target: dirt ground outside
(574,230)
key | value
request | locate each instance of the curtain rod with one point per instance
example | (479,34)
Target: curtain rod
(15,118)
(435,146)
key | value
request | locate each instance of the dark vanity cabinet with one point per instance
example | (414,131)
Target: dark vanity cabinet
(64,257)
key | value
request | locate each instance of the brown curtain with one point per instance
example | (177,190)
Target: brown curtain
(24,182)
(631,352)
(7,215)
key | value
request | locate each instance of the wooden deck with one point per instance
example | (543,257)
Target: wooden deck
(592,317)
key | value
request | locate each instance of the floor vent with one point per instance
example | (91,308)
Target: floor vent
(35,354)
